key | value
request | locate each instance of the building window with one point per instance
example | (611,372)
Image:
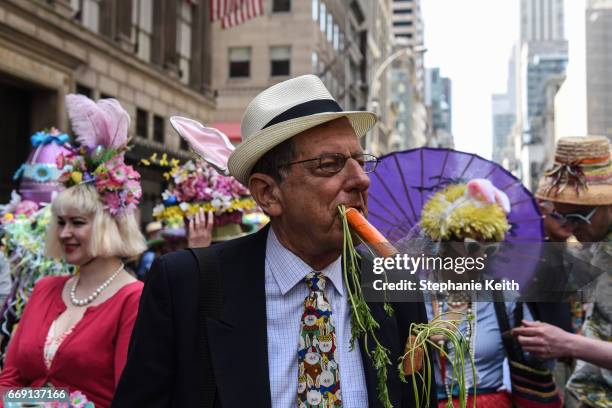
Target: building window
(142,123)
(315,10)
(280,61)
(315,63)
(88,13)
(402,23)
(336,37)
(158,128)
(239,62)
(83,90)
(322,18)
(281,6)
(106,96)
(330,28)
(183,36)
(143,28)
(402,11)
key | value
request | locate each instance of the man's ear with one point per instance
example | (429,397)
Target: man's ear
(266,192)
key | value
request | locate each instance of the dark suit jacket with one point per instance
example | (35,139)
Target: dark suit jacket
(163,368)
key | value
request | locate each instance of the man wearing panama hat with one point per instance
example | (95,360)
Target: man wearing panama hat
(580,187)
(269,324)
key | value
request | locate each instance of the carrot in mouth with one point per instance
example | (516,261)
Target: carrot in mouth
(368,234)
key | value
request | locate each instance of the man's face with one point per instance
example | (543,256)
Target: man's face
(310,197)
(584,232)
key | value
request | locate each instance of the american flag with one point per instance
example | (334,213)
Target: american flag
(234,12)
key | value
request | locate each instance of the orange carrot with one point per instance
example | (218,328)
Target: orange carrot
(368,234)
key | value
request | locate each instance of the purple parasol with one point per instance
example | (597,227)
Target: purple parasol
(404,181)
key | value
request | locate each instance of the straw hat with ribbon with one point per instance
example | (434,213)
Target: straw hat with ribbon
(281,112)
(581,174)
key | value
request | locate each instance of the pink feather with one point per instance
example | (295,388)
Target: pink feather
(117,122)
(104,123)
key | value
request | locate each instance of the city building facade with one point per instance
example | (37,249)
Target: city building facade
(151,55)
(328,38)
(503,121)
(438,100)
(542,20)
(541,58)
(408,76)
(599,67)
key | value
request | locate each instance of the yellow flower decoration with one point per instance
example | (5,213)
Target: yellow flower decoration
(164,160)
(76,176)
(175,214)
(445,217)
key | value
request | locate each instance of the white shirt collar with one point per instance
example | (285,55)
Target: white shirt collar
(288,269)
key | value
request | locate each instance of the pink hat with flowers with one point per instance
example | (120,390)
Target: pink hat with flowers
(102,131)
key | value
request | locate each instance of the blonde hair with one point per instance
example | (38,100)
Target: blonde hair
(117,236)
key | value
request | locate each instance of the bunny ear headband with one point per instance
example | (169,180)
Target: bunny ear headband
(102,132)
(210,144)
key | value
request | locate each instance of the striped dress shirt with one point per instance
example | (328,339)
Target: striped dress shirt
(285,294)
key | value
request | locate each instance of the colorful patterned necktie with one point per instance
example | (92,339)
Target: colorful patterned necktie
(319,374)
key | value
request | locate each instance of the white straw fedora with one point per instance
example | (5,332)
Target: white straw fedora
(281,112)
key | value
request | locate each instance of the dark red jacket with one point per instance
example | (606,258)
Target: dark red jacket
(90,359)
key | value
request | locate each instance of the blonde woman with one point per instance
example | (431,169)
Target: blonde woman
(75,330)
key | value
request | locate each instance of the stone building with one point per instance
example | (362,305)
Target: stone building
(333,39)
(152,55)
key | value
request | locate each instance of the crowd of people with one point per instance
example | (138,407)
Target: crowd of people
(235,315)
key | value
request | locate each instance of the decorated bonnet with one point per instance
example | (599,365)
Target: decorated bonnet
(476,208)
(196,185)
(102,131)
(39,174)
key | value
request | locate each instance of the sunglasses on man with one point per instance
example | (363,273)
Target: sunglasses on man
(574,218)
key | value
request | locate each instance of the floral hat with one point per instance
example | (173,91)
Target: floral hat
(476,207)
(196,185)
(102,131)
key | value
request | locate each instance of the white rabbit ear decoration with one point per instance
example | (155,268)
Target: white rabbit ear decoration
(210,144)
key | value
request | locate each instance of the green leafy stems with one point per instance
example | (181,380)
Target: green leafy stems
(363,323)
(423,333)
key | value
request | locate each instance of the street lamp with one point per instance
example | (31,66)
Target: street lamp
(410,52)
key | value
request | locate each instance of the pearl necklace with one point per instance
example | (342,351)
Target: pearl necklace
(95,294)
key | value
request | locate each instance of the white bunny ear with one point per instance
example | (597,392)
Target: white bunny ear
(209,143)
(502,200)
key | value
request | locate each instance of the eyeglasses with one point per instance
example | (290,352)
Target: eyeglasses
(575,219)
(473,247)
(332,163)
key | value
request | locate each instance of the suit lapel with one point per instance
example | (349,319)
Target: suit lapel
(238,340)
